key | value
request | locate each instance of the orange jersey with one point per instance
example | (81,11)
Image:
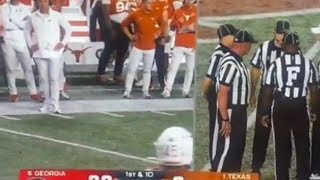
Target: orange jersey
(117,6)
(159,6)
(183,17)
(145,26)
(134,5)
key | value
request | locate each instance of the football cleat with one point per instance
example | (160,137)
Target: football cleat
(14,98)
(146,95)
(126,95)
(315,177)
(36,98)
(166,93)
(64,96)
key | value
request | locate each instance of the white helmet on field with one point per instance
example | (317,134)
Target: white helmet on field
(174,147)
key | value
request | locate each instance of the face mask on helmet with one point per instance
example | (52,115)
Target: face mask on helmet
(174,147)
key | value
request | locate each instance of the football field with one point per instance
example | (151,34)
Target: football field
(97,130)
(262,29)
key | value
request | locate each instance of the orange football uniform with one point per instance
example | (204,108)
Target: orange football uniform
(145,26)
(185,16)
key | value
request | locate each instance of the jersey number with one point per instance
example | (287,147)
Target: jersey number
(121,6)
(292,74)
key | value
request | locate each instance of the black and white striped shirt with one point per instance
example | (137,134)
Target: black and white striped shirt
(215,60)
(291,75)
(264,56)
(233,73)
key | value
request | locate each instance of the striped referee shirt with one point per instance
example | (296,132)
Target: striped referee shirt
(215,60)
(233,73)
(291,75)
(264,56)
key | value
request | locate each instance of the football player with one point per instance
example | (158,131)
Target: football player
(146,24)
(184,22)
(114,11)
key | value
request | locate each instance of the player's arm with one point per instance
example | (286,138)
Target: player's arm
(174,22)
(256,63)
(267,94)
(227,74)
(165,23)
(65,25)
(28,32)
(211,74)
(125,27)
(28,35)
(105,5)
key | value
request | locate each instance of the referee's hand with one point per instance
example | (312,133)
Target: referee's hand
(313,117)
(253,101)
(265,120)
(225,129)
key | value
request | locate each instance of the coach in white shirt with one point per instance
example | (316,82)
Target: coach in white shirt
(47,49)
(15,48)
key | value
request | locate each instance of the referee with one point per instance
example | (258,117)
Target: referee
(288,80)
(233,84)
(267,53)
(315,150)
(226,36)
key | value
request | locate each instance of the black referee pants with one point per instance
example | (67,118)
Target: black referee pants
(212,108)
(120,43)
(315,158)
(260,140)
(228,152)
(291,116)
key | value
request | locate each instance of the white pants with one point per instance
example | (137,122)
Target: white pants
(177,56)
(12,57)
(136,55)
(49,71)
(62,78)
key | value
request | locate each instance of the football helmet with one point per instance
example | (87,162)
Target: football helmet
(174,147)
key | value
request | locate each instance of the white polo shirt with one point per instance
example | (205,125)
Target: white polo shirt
(14,17)
(47,33)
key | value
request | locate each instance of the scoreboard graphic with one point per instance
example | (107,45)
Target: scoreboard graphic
(130,175)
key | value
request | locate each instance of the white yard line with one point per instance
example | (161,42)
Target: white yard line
(260,15)
(209,24)
(208,41)
(78,145)
(97,106)
(163,113)
(62,116)
(112,114)
(10,118)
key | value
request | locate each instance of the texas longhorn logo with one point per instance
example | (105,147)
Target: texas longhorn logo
(77,53)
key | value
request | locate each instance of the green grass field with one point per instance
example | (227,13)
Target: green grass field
(132,134)
(262,29)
